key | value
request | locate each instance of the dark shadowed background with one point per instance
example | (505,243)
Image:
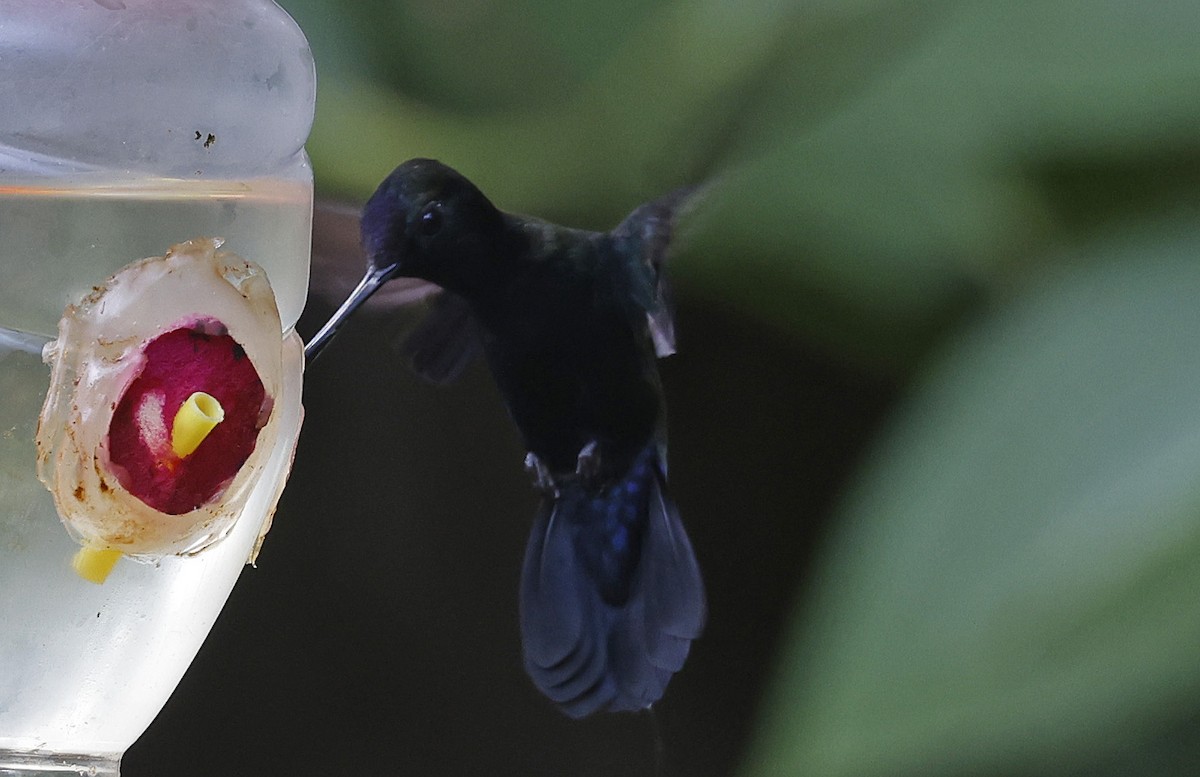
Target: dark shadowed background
(934,419)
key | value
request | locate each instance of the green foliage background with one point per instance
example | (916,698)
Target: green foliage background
(996,202)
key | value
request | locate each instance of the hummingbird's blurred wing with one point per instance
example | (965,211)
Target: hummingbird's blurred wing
(438,348)
(445,341)
(661,318)
(650,229)
(338,261)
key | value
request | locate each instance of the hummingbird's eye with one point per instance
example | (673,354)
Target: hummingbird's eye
(431,219)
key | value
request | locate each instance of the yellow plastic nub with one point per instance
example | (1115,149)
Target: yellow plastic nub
(94,564)
(196,418)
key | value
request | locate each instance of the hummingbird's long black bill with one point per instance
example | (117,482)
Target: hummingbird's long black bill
(370,283)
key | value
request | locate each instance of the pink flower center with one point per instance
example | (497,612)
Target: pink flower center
(198,357)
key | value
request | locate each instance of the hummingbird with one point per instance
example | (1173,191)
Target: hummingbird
(571,323)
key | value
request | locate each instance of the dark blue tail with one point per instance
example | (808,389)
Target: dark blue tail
(611,595)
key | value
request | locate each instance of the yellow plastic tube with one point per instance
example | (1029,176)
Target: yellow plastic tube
(95,564)
(197,416)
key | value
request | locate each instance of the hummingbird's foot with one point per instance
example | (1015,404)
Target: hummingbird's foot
(587,464)
(542,479)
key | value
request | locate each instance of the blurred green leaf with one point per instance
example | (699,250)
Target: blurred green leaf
(1012,585)
(928,188)
(654,115)
(467,55)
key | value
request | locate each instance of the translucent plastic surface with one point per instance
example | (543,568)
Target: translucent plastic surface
(129,126)
(184,88)
(56,243)
(132,125)
(84,668)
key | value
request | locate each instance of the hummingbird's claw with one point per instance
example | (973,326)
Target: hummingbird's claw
(542,479)
(587,464)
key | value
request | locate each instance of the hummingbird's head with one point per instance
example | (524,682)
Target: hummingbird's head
(427,221)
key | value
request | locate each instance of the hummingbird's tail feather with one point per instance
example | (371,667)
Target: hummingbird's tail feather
(562,655)
(611,595)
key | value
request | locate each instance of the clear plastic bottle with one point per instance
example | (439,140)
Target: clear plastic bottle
(129,126)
